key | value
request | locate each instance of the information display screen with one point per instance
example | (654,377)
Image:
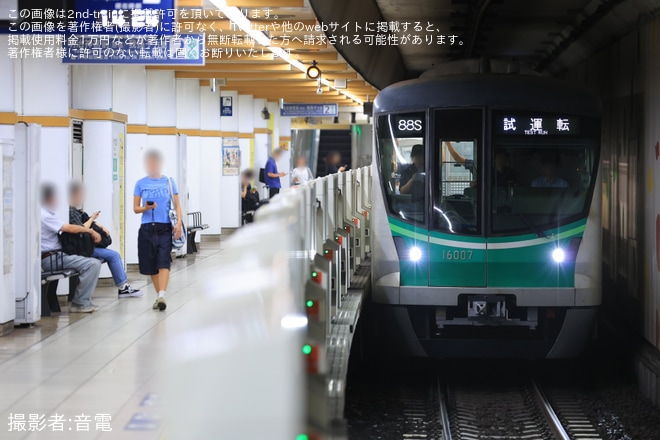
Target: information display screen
(530,124)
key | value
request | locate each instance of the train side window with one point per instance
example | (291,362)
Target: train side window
(402,159)
(455,171)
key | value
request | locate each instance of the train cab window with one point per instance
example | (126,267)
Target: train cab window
(402,157)
(538,187)
(455,188)
(543,170)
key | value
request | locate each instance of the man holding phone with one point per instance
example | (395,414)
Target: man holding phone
(78,217)
(272,175)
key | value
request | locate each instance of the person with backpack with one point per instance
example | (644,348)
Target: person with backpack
(115,264)
(156,198)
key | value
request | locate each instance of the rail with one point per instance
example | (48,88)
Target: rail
(269,348)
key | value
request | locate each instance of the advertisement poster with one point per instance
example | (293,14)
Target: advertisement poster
(231,157)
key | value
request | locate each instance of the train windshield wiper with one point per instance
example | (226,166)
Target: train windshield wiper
(539,233)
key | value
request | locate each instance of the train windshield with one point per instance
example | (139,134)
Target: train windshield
(538,182)
(402,159)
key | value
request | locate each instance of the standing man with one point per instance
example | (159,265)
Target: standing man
(87,268)
(272,176)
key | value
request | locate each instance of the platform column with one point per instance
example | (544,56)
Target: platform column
(7,137)
(229,185)
(129,96)
(188,110)
(210,197)
(104,142)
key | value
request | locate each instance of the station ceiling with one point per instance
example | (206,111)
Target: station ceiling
(250,68)
(545,35)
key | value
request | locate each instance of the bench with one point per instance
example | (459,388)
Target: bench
(195,224)
(49,281)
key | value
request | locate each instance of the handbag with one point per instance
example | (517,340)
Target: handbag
(174,219)
(80,243)
(106,240)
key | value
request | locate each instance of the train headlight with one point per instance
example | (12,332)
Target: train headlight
(415,254)
(558,255)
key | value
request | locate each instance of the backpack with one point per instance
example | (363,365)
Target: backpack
(80,243)
(262,175)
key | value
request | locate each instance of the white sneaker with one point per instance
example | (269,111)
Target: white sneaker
(75,308)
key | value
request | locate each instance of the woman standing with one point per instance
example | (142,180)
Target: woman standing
(301,173)
(152,198)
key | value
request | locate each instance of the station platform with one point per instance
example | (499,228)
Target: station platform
(104,365)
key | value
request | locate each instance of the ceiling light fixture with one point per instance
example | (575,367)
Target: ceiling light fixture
(313,72)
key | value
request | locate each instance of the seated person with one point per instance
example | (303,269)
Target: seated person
(249,196)
(87,268)
(550,177)
(79,217)
(504,175)
(412,178)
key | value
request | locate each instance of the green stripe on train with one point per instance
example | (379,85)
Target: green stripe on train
(463,261)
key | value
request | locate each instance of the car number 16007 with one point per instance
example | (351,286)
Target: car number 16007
(457,255)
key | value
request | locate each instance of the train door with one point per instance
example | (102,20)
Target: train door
(457,244)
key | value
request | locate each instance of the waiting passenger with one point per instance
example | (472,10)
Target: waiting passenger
(301,173)
(413,172)
(79,217)
(504,174)
(249,196)
(152,198)
(272,175)
(333,163)
(550,178)
(87,268)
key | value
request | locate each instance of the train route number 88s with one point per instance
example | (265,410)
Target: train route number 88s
(457,255)
(410,125)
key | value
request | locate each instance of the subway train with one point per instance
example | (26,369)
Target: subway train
(486,216)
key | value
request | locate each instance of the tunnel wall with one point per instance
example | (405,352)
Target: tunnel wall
(625,75)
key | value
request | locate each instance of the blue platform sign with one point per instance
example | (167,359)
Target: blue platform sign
(146,17)
(296,110)
(135,49)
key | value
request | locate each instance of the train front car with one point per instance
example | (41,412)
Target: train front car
(486,217)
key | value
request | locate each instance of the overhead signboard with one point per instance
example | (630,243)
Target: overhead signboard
(124,17)
(318,110)
(135,49)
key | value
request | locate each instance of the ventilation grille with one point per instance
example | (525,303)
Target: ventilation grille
(77,132)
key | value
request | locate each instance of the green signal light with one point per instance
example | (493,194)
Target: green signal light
(314,274)
(310,303)
(325,251)
(302,437)
(307,349)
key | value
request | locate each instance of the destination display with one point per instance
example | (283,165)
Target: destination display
(536,124)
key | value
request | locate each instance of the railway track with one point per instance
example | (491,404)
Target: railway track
(509,411)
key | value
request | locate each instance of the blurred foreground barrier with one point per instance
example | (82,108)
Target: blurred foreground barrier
(267,355)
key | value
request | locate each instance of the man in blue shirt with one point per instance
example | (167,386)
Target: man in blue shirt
(271,175)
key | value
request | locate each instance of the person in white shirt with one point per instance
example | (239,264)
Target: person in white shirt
(301,173)
(88,268)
